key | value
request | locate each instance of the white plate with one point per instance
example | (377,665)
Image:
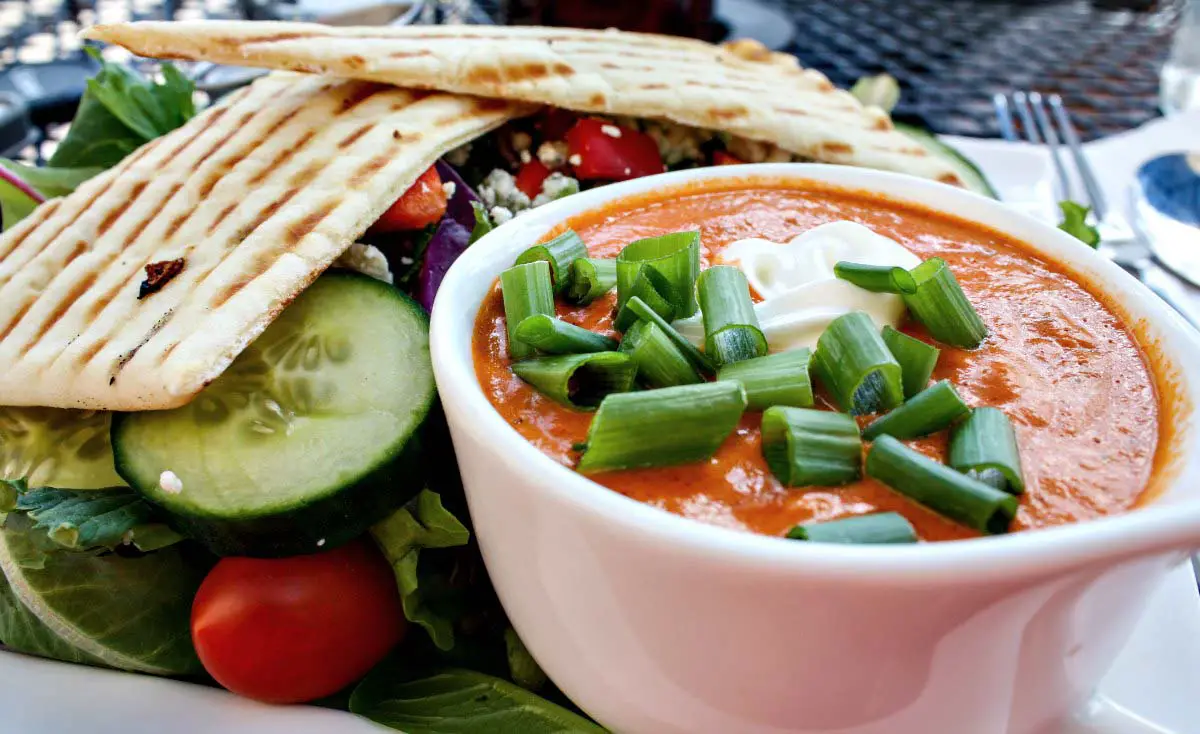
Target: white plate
(1157,676)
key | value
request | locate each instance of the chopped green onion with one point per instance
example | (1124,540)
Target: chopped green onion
(990,477)
(806,447)
(777,379)
(674,256)
(876,278)
(659,361)
(589,278)
(579,381)
(672,425)
(527,291)
(560,252)
(856,367)
(881,527)
(655,292)
(917,359)
(929,411)
(940,304)
(940,488)
(639,308)
(555,336)
(986,440)
(731,332)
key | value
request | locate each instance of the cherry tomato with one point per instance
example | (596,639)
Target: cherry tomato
(531,176)
(554,123)
(288,630)
(424,203)
(721,158)
(610,153)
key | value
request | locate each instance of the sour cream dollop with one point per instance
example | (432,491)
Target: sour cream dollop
(800,293)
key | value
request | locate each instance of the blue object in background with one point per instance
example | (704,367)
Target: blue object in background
(1171,184)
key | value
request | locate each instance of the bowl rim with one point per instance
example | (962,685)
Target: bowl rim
(1155,527)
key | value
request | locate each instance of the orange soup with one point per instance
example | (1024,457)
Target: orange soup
(1057,362)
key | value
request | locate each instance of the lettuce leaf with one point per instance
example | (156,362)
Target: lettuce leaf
(1074,223)
(130,613)
(455,701)
(50,182)
(15,203)
(523,669)
(93,519)
(422,523)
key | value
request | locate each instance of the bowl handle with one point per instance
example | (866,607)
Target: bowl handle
(1102,715)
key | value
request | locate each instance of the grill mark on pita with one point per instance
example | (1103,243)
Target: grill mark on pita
(281,158)
(269,38)
(151,212)
(135,193)
(298,230)
(483,75)
(29,224)
(655,85)
(64,304)
(369,169)
(353,137)
(833,148)
(79,211)
(209,121)
(410,54)
(363,92)
(20,314)
(128,356)
(216,222)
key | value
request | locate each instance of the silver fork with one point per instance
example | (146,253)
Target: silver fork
(1045,120)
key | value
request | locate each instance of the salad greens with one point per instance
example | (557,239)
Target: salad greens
(422,523)
(123,612)
(455,701)
(1074,223)
(91,519)
(523,669)
(50,182)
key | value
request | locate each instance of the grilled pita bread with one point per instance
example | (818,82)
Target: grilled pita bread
(740,88)
(236,213)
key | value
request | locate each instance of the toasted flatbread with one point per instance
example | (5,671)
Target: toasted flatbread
(740,88)
(236,212)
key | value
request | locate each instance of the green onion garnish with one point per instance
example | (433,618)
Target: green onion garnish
(579,381)
(672,425)
(986,441)
(560,252)
(654,290)
(881,527)
(940,304)
(990,477)
(674,256)
(940,488)
(876,278)
(659,361)
(589,278)
(731,332)
(527,291)
(806,447)
(929,411)
(917,359)
(555,336)
(638,308)
(856,367)
(777,379)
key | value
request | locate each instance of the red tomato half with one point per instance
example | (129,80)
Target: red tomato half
(610,153)
(531,176)
(288,630)
(424,203)
(721,158)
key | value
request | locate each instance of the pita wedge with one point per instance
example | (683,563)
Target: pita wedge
(138,289)
(739,89)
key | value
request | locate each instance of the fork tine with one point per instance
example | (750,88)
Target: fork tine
(1094,193)
(1052,142)
(1021,102)
(1004,117)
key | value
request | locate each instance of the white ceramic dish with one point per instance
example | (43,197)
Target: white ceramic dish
(653,623)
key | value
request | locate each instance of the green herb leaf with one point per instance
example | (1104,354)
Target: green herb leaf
(50,182)
(15,204)
(524,670)
(127,613)
(95,519)
(1075,223)
(483,222)
(420,524)
(453,701)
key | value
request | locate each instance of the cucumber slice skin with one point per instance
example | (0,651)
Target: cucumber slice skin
(974,177)
(308,524)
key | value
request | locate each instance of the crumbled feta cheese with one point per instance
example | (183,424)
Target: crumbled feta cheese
(449,187)
(320,542)
(521,141)
(459,156)
(552,154)
(611,131)
(366,259)
(677,143)
(170,483)
(556,186)
(406,260)
(500,189)
(526,156)
(500,215)
(627,170)
(575,160)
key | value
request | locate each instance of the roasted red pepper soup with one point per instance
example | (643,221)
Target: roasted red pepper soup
(1061,365)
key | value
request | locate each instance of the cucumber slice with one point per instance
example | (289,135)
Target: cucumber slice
(970,173)
(310,436)
(49,447)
